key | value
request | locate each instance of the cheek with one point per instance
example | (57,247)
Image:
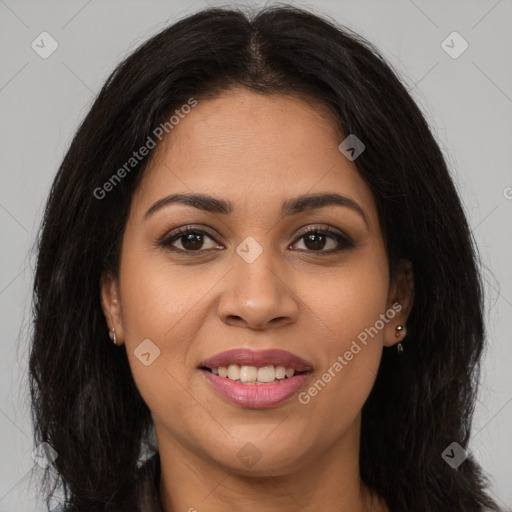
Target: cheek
(158,299)
(352,340)
(157,313)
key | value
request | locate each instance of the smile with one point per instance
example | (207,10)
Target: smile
(256,379)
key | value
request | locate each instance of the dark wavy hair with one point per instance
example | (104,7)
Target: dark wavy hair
(84,400)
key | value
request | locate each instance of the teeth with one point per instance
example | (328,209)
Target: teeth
(280,372)
(252,374)
(266,374)
(247,373)
(233,372)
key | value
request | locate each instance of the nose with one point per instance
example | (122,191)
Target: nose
(258,295)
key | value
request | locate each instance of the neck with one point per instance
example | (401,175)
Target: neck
(321,481)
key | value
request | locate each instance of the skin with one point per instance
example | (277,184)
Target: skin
(255,151)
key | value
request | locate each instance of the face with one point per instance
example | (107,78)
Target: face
(260,271)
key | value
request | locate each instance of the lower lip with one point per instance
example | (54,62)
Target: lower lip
(256,396)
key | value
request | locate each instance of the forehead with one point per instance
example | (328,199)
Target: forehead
(255,150)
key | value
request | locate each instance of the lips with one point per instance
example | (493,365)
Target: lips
(260,358)
(256,395)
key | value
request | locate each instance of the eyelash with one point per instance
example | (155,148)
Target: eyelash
(344,241)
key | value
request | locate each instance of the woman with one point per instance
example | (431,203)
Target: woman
(253,250)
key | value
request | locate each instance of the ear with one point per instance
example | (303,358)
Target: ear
(400,300)
(111,305)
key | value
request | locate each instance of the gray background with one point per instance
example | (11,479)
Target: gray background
(467,101)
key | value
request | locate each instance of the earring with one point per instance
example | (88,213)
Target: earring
(115,337)
(399,329)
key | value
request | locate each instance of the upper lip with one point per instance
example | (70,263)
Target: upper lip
(258,358)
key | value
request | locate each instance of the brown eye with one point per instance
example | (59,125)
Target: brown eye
(191,240)
(315,240)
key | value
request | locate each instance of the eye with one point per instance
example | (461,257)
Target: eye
(315,240)
(191,240)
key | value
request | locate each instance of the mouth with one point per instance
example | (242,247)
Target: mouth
(256,379)
(253,375)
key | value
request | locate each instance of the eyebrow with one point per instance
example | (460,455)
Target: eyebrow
(290,206)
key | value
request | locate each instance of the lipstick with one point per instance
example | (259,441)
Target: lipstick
(291,373)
